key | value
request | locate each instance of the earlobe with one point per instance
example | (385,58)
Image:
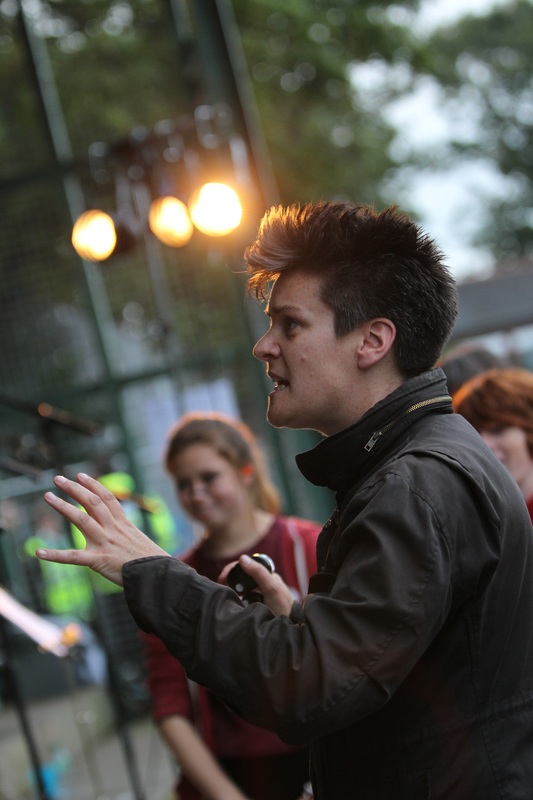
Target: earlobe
(378,336)
(248,474)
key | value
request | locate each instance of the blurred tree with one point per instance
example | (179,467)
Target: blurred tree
(116,67)
(484,69)
(491,59)
(323,141)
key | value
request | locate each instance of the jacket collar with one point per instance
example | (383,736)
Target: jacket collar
(340,459)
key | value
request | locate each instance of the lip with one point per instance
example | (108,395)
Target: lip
(278,380)
(201,509)
(204,516)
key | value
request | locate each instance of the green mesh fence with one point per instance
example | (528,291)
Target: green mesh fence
(98,359)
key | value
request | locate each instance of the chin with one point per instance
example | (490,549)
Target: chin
(280,417)
(275,417)
(275,421)
(283,421)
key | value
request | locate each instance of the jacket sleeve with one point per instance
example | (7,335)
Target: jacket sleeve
(356,645)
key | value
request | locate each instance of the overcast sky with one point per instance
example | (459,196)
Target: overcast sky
(438,12)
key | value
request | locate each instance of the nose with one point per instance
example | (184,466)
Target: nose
(191,490)
(198,489)
(266,348)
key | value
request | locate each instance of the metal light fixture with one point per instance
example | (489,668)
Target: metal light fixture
(155,172)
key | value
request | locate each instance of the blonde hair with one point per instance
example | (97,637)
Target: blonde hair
(234,441)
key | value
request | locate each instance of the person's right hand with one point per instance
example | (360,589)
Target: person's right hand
(276,594)
(111,538)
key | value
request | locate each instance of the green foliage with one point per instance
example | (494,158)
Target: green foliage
(114,66)
(322,143)
(486,64)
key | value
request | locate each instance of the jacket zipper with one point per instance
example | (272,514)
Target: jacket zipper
(422,404)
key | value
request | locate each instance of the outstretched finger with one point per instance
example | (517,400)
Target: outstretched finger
(97,488)
(110,501)
(98,501)
(92,558)
(90,527)
(81,558)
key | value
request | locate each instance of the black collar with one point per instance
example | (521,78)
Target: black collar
(340,459)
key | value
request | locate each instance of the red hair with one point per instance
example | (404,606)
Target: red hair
(498,398)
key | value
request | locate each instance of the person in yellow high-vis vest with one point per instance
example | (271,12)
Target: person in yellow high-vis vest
(116,629)
(58,590)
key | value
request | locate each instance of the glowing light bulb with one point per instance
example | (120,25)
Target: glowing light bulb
(215,209)
(94,236)
(169,220)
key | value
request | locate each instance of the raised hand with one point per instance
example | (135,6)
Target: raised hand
(111,538)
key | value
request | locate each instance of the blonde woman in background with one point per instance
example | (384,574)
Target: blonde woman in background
(221,482)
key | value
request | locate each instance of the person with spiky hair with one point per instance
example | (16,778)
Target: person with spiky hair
(408,668)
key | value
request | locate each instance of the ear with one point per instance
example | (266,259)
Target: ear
(377,338)
(248,474)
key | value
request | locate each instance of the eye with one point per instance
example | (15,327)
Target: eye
(183,485)
(290,324)
(208,477)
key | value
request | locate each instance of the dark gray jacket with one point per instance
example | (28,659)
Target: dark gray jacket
(411,672)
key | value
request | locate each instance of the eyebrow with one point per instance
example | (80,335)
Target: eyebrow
(281,309)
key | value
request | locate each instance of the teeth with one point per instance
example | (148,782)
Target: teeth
(279,385)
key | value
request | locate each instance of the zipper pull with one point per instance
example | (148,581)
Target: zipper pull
(372,441)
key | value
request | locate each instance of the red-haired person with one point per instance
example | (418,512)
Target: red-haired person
(221,482)
(499,404)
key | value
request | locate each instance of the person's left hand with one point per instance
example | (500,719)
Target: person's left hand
(111,538)
(276,594)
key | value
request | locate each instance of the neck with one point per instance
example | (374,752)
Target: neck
(241,534)
(367,394)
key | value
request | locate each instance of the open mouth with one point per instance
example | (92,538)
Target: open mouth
(279,383)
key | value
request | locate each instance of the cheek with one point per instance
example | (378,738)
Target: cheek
(491,441)
(228,492)
(517,455)
(515,445)
(184,499)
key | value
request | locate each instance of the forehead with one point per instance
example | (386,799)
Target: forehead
(297,291)
(197,453)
